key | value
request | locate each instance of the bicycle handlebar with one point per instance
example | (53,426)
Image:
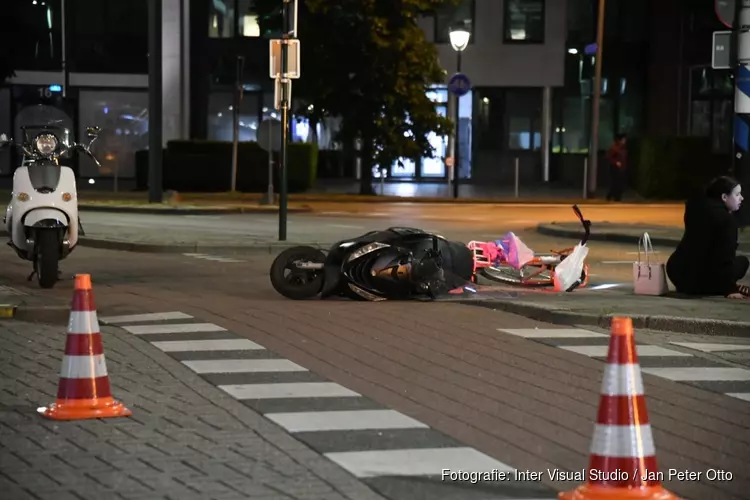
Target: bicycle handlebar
(585,223)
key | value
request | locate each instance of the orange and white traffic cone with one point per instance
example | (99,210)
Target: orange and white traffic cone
(622,463)
(83,391)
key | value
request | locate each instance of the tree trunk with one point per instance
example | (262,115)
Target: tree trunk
(366,154)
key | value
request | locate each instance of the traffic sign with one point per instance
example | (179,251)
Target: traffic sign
(269,135)
(721,56)
(459,85)
(293,59)
(725,10)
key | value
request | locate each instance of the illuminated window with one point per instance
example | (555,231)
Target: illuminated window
(524,21)
(454,16)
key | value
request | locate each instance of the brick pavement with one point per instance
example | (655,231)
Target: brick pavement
(524,403)
(185,440)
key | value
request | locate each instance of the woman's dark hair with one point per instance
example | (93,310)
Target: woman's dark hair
(719,186)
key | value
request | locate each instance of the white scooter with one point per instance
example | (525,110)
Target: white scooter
(42,216)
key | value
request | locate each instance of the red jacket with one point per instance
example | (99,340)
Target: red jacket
(617,154)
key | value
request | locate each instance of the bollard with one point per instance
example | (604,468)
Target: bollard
(585,177)
(517,174)
(382,181)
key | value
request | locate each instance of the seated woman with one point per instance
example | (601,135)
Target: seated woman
(706,261)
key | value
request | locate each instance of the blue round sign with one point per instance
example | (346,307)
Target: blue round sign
(459,85)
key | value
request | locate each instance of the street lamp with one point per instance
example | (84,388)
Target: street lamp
(459,39)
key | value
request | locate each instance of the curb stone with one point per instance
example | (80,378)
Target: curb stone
(54,315)
(695,326)
(186,211)
(614,237)
(260,248)
(268,248)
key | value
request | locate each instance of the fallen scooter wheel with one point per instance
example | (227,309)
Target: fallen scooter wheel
(292,282)
(47,258)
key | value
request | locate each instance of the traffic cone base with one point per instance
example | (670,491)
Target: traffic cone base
(590,492)
(83,391)
(85,409)
(622,439)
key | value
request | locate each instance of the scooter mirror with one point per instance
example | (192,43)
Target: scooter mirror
(93,132)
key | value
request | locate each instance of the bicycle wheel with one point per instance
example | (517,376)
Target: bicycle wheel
(526,276)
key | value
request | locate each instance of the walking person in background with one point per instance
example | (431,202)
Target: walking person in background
(617,157)
(706,261)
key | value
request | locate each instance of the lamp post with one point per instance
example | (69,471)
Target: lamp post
(594,140)
(459,38)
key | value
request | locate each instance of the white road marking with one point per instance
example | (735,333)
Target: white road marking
(178,328)
(698,374)
(600,351)
(207,345)
(288,390)
(243,366)
(212,257)
(315,421)
(141,318)
(415,462)
(713,347)
(551,333)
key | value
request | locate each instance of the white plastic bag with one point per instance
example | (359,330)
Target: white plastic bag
(569,271)
(516,252)
(649,277)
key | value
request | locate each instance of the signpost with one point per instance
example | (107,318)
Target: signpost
(721,56)
(269,138)
(725,10)
(284,57)
(735,14)
(459,85)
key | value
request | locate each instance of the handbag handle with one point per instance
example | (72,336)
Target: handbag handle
(646,239)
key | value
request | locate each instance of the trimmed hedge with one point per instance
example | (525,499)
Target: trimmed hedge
(206,166)
(673,168)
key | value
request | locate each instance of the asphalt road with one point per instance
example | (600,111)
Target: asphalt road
(611,263)
(336,219)
(468,376)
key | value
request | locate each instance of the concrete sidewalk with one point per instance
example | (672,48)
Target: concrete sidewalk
(186,439)
(596,307)
(624,233)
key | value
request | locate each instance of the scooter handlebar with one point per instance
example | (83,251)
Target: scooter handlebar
(84,149)
(10,142)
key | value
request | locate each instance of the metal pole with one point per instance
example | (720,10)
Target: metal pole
(284,121)
(741,27)
(64,47)
(236,119)
(457,153)
(518,171)
(154,102)
(382,181)
(451,169)
(270,165)
(546,131)
(594,146)
(585,177)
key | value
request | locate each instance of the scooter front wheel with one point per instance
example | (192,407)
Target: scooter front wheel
(47,258)
(295,283)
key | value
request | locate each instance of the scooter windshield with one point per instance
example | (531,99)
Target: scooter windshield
(34,120)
